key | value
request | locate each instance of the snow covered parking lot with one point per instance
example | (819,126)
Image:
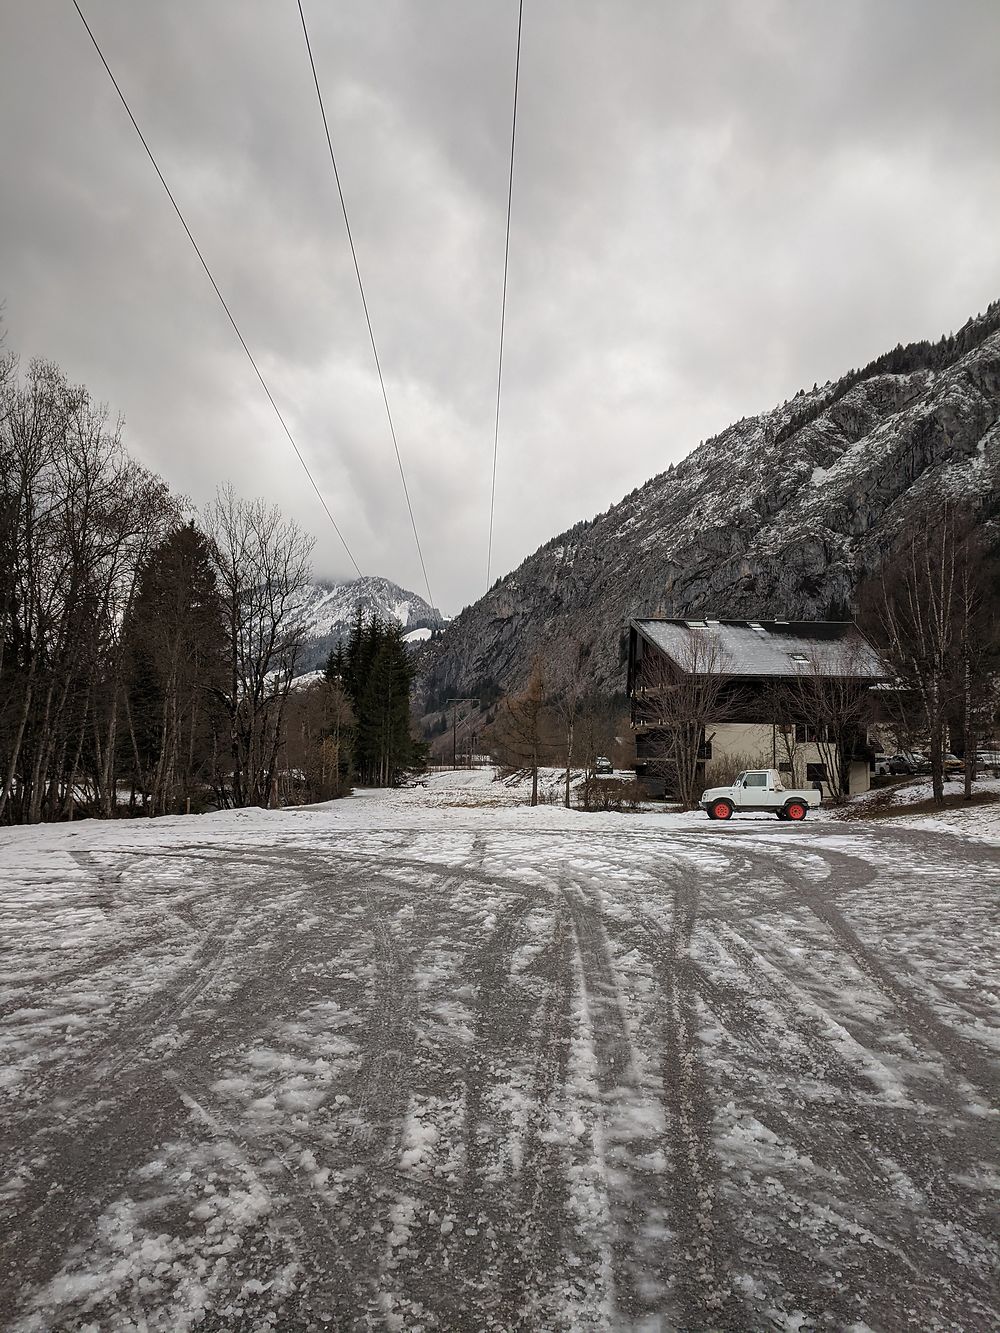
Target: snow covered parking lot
(409,1061)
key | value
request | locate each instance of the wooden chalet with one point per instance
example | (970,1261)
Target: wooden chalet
(790,695)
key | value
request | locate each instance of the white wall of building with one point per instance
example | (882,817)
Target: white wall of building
(760,743)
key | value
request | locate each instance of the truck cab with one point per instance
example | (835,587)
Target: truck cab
(759,789)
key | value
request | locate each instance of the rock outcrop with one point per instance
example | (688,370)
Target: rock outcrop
(780,516)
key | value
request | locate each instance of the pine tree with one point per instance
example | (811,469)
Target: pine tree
(176,650)
(378,675)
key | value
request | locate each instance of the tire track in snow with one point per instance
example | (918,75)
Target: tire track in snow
(861,1145)
(502,1015)
(918,1016)
(60,1199)
(883,1157)
(131,1109)
(699,1292)
(645,1269)
(88,1164)
(703,1288)
(388,1047)
(127,1041)
(535,1270)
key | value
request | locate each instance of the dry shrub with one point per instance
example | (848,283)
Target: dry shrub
(723,772)
(611,794)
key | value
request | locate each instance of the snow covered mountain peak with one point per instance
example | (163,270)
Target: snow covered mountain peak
(331,608)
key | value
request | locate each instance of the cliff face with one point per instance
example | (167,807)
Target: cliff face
(780,516)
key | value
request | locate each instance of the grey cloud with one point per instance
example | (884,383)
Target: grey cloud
(714,204)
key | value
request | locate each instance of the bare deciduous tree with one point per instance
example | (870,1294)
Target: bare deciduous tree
(831,699)
(316,744)
(679,702)
(518,736)
(976,666)
(263,568)
(79,518)
(568,703)
(926,612)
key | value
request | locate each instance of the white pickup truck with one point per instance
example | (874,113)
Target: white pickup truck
(759,789)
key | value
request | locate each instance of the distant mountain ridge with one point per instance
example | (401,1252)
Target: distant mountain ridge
(331,608)
(780,516)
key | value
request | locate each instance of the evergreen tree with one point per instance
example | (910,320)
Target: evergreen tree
(176,644)
(335,666)
(378,673)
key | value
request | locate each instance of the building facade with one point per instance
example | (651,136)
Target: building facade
(711,697)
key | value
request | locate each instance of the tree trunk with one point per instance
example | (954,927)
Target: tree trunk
(109,793)
(15,752)
(37,769)
(937,749)
(968,731)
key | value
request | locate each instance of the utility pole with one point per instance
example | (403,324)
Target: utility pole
(455,721)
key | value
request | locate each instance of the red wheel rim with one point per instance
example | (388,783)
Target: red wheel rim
(721,811)
(796,812)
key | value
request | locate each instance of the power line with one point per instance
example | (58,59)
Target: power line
(361,288)
(215,285)
(503,303)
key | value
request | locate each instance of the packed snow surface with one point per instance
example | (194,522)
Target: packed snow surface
(973,821)
(431,1060)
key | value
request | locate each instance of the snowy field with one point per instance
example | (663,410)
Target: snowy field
(425,1060)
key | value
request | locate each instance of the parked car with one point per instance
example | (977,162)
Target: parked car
(602,764)
(905,765)
(917,762)
(760,789)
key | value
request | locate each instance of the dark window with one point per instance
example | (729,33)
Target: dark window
(806,735)
(705,750)
(815,773)
(784,768)
(756,780)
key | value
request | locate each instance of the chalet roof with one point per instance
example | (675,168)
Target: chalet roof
(768,647)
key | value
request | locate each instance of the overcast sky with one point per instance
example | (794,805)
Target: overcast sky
(714,204)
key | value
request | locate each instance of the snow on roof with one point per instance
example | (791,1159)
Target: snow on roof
(770,647)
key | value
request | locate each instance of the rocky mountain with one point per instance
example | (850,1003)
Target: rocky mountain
(332,608)
(780,516)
